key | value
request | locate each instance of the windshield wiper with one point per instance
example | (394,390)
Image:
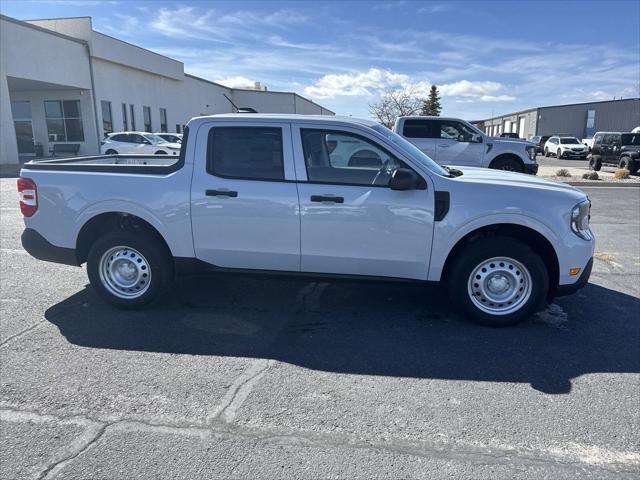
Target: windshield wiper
(453,172)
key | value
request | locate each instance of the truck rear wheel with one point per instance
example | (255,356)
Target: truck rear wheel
(129,269)
(498,281)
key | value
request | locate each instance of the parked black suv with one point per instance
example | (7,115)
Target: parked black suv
(616,149)
(539,141)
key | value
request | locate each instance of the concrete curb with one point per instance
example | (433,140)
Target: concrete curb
(604,184)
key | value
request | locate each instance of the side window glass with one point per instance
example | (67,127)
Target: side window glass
(247,153)
(452,130)
(417,129)
(345,158)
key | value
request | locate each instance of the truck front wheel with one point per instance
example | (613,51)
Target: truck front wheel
(129,269)
(509,164)
(498,281)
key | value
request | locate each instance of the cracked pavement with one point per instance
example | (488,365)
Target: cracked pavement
(244,377)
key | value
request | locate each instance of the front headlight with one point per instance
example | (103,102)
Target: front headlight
(580,220)
(531,151)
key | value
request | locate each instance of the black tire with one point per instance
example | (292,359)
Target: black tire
(634,166)
(595,164)
(111,152)
(160,152)
(473,255)
(509,164)
(155,255)
(624,163)
(546,152)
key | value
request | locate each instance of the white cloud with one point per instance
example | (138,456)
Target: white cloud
(466,88)
(497,98)
(375,80)
(236,82)
(188,22)
(357,83)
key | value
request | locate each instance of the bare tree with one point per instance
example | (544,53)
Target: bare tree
(395,103)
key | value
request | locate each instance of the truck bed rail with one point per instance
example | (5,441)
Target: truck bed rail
(142,164)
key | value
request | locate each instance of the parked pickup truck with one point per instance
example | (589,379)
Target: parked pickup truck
(452,141)
(309,195)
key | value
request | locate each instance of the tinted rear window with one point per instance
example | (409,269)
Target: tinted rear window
(250,153)
(417,129)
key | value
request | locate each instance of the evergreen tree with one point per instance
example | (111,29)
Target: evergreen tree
(431,106)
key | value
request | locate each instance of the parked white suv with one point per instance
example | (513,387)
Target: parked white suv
(142,143)
(452,141)
(170,137)
(565,147)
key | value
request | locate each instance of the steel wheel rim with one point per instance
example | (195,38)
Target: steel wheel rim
(508,168)
(500,286)
(125,272)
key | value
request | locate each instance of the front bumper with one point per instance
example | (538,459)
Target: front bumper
(574,287)
(39,247)
(531,168)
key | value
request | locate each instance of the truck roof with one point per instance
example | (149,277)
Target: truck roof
(286,117)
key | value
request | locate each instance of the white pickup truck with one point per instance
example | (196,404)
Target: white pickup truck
(308,195)
(452,141)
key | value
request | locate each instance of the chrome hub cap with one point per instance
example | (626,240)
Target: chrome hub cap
(125,272)
(500,286)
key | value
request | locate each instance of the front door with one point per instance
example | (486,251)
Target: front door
(351,221)
(456,146)
(23,125)
(244,200)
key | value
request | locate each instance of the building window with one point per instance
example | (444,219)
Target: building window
(146,113)
(177,128)
(133,117)
(107,119)
(163,120)
(125,122)
(64,120)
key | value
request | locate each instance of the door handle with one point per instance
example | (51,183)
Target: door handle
(221,193)
(327,198)
(444,146)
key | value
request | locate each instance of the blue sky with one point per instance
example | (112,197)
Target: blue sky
(486,57)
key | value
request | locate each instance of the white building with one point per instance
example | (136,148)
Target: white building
(63,82)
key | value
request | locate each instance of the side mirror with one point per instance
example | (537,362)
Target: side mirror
(404,179)
(476,138)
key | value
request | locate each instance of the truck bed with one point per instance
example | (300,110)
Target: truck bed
(145,164)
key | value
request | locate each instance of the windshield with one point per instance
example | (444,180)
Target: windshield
(631,139)
(410,149)
(155,139)
(569,141)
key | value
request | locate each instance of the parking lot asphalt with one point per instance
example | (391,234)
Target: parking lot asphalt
(244,377)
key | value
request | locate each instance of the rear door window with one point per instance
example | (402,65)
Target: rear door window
(418,129)
(246,153)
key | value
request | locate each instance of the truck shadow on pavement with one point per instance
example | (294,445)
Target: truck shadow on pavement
(394,330)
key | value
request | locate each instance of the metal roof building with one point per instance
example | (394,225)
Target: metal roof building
(581,120)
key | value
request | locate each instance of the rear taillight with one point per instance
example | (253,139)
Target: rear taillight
(28,193)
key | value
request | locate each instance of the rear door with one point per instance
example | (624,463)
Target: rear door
(244,200)
(455,145)
(422,133)
(351,221)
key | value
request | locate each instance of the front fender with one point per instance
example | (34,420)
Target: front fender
(447,236)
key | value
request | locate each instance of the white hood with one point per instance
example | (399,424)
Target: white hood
(511,179)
